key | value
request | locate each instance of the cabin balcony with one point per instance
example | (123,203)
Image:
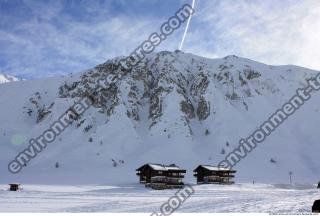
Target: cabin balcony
(217,180)
(167,180)
(176,177)
(175,181)
(225,176)
(220,176)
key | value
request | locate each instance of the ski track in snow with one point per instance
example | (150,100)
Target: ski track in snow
(136,198)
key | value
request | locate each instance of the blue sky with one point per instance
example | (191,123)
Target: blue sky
(52,37)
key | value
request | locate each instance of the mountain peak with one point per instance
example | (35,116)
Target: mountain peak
(172,107)
(4,78)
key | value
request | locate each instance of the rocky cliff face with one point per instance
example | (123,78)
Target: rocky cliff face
(173,80)
(170,108)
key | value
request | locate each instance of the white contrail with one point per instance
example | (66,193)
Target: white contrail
(187,26)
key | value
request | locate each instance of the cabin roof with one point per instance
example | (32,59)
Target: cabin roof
(214,168)
(158,167)
(162,167)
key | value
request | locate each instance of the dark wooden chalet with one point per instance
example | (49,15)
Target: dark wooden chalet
(316,207)
(207,174)
(14,187)
(159,176)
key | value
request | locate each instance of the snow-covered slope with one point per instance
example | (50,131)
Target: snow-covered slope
(244,198)
(170,108)
(7,78)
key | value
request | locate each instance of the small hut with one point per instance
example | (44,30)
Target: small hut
(159,176)
(14,187)
(207,174)
(316,207)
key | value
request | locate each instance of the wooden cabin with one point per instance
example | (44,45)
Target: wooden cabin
(207,174)
(14,187)
(159,176)
(316,207)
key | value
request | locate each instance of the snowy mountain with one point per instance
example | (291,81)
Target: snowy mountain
(170,108)
(7,78)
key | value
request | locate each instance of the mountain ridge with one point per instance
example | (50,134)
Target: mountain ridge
(170,108)
(4,78)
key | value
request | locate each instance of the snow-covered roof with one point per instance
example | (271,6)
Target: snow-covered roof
(162,167)
(215,168)
(157,167)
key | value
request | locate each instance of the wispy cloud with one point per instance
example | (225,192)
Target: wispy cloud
(52,41)
(274,32)
(45,38)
